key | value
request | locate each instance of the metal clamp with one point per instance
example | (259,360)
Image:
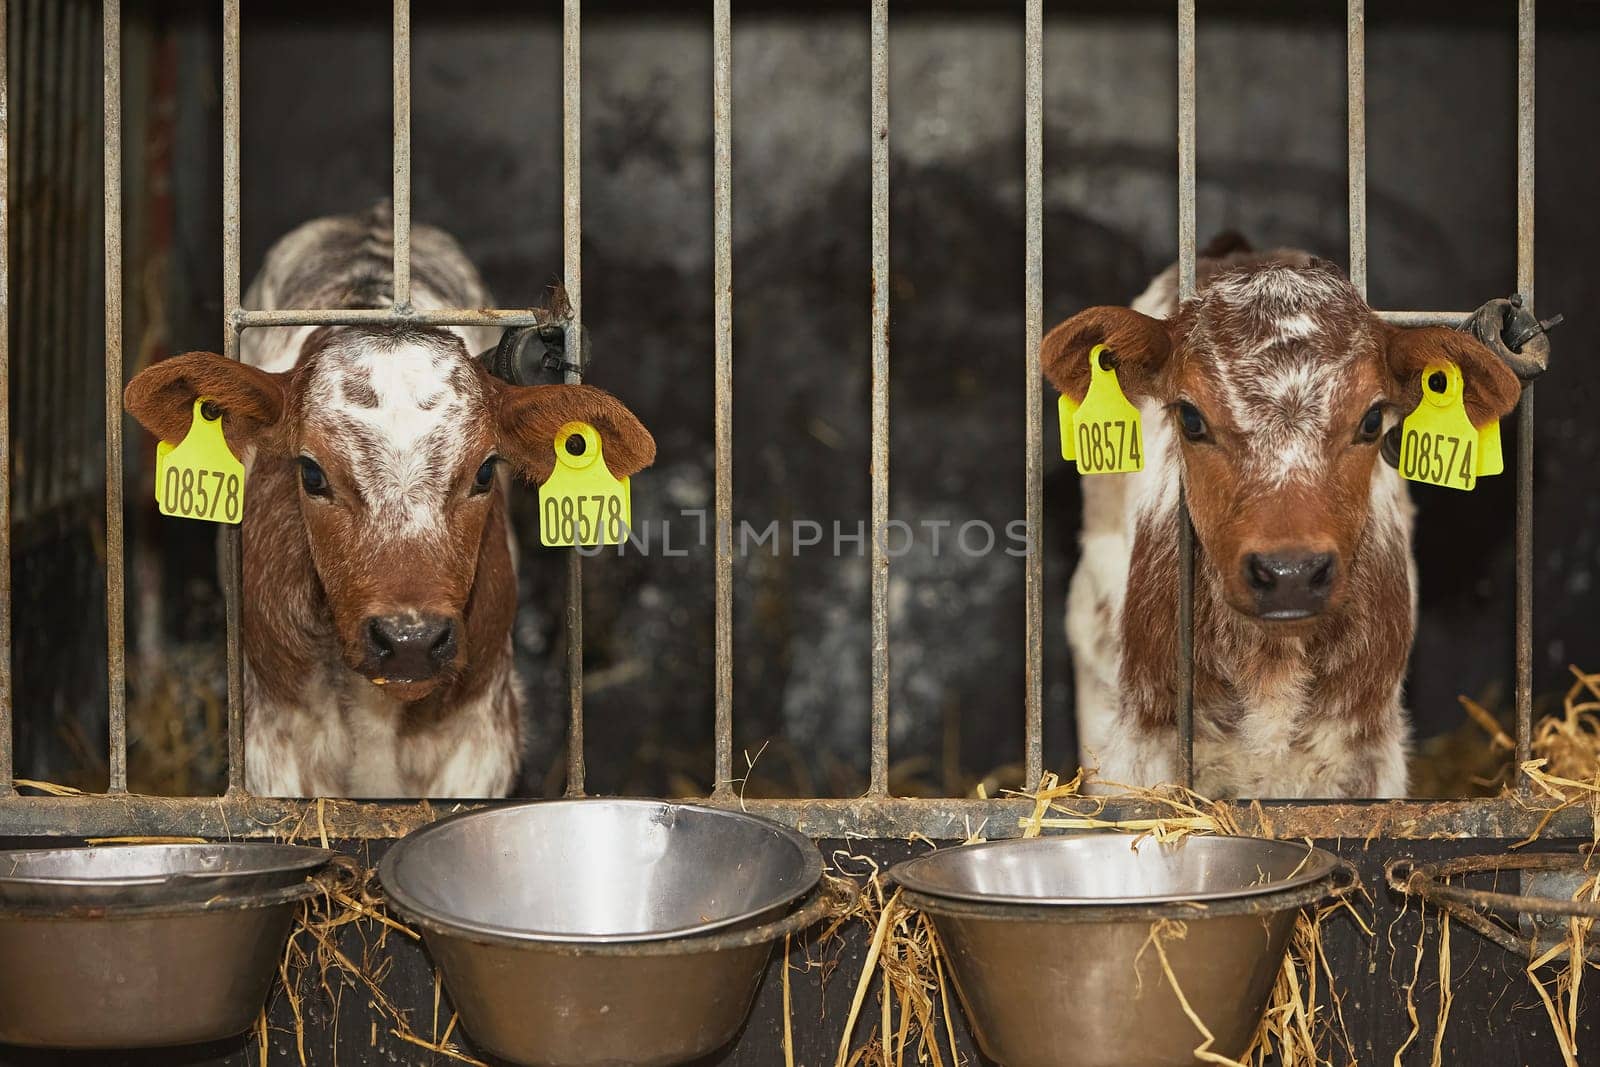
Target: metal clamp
(1430,882)
(534,355)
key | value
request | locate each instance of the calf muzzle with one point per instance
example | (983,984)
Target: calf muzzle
(1290,585)
(410,647)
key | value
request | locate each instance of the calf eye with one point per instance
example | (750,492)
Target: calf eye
(485,476)
(311,477)
(1190,421)
(1372,423)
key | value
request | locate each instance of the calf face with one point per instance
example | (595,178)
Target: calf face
(396,435)
(1279,382)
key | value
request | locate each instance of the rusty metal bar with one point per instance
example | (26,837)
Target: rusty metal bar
(496,317)
(116,668)
(879,784)
(1424,318)
(572,254)
(6,773)
(1356,119)
(1186,283)
(402,153)
(722,226)
(243,816)
(1033,476)
(231,556)
(1524,514)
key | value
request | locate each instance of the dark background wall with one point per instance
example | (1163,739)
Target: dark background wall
(486,127)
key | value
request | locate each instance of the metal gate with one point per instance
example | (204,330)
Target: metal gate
(877,814)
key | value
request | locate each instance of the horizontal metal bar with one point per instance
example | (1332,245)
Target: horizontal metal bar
(242,816)
(1423,318)
(243,318)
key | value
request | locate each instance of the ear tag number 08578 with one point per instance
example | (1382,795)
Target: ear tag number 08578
(200,477)
(1103,432)
(1439,444)
(582,503)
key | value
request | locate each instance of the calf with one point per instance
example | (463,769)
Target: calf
(1266,395)
(379,568)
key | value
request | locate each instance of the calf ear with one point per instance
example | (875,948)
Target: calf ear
(1141,345)
(162,397)
(1491,388)
(531,415)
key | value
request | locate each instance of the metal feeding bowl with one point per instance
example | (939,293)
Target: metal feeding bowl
(1049,940)
(135,946)
(603,931)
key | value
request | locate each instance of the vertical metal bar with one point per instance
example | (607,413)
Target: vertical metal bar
(5,415)
(116,672)
(1186,286)
(722,226)
(232,555)
(572,247)
(879,785)
(1033,298)
(402,154)
(1524,519)
(1356,118)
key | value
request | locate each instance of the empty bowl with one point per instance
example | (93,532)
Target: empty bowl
(584,932)
(134,946)
(1048,940)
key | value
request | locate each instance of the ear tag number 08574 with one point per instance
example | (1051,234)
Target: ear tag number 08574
(1439,444)
(582,503)
(200,477)
(1103,432)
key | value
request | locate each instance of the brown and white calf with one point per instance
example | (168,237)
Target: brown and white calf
(1268,392)
(379,568)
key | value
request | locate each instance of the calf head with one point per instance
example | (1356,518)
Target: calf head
(1279,383)
(394,435)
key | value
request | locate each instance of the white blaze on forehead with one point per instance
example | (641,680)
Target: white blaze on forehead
(397,417)
(1277,364)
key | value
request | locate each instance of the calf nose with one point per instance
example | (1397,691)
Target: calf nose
(1290,585)
(410,648)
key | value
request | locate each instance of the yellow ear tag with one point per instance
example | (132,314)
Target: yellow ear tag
(1106,425)
(1439,445)
(200,478)
(581,503)
(1067,408)
(1490,459)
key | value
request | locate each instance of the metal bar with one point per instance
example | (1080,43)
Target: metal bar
(1033,476)
(722,226)
(241,816)
(1524,514)
(402,153)
(1356,119)
(242,318)
(116,670)
(1186,285)
(28,120)
(879,783)
(232,552)
(6,772)
(1424,318)
(572,249)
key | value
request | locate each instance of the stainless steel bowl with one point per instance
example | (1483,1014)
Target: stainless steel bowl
(88,968)
(150,874)
(603,931)
(1048,940)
